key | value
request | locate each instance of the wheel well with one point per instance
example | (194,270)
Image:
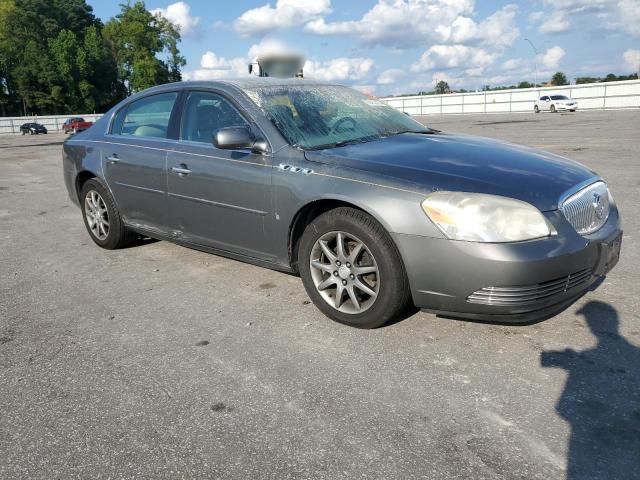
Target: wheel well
(304,217)
(81,179)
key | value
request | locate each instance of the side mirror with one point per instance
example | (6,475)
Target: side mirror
(238,138)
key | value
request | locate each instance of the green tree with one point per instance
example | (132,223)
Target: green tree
(442,87)
(525,84)
(581,80)
(559,79)
(6,90)
(145,47)
(53,58)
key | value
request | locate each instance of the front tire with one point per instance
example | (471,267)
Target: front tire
(101,216)
(352,270)
(536,109)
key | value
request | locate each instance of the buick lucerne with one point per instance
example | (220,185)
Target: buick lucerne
(372,209)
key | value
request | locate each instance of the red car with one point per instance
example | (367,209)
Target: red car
(75,125)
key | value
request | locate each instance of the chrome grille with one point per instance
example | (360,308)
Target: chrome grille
(588,209)
(528,294)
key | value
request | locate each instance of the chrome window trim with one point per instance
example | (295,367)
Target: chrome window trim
(131,100)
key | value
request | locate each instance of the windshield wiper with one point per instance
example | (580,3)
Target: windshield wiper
(426,131)
(343,143)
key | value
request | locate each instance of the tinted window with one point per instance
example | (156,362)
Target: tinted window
(559,97)
(544,98)
(147,117)
(206,113)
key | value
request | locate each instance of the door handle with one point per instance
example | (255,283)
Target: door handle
(113,159)
(181,170)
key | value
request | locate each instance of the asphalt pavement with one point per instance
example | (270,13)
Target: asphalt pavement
(158,361)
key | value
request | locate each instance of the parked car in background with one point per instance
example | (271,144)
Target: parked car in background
(555,103)
(32,128)
(373,209)
(75,125)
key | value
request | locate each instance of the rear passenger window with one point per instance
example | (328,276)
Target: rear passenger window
(206,113)
(147,117)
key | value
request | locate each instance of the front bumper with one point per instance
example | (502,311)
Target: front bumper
(514,282)
(565,108)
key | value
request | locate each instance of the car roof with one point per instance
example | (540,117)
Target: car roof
(236,83)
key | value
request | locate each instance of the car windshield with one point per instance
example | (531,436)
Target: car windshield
(323,116)
(559,97)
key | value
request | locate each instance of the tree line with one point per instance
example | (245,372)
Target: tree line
(56,57)
(558,79)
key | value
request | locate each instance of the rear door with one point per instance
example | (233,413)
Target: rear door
(217,198)
(135,159)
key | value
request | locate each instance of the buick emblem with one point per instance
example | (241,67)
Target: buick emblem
(598,206)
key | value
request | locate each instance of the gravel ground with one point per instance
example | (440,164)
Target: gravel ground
(161,362)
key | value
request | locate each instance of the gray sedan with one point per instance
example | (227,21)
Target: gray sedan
(373,210)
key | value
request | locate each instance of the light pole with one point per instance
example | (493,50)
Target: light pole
(535,62)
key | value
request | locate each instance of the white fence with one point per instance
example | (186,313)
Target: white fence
(11,125)
(590,96)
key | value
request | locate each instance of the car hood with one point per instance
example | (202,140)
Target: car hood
(462,163)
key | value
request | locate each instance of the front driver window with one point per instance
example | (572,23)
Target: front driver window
(205,114)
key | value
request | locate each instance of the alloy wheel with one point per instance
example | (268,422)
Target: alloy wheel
(97,215)
(344,272)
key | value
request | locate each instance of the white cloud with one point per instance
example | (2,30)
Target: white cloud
(409,23)
(271,46)
(535,17)
(555,24)
(338,69)
(564,15)
(551,58)
(499,29)
(391,76)
(285,14)
(516,64)
(630,16)
(632,59)
(179,14)
(472,59)
(215,67)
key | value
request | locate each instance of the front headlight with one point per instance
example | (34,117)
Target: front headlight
(478,217)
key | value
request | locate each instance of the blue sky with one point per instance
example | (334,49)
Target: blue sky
(402,46)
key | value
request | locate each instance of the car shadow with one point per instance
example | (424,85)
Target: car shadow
(140,241)
(601,400)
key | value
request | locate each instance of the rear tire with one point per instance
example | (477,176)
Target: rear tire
(553,109)
(101,216)
(367,272)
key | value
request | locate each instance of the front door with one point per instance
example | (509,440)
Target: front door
(218,198)
(134,158)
